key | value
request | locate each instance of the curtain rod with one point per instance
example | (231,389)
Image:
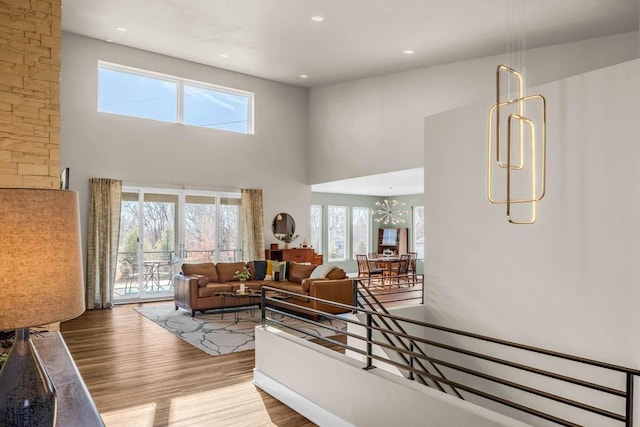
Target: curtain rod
(174,186)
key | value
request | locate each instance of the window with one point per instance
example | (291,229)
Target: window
(136,95)
(418,231)
(145,94)
(213,108)
(360,231)
(337,223)
(161,226)
(316,228)
(212,229)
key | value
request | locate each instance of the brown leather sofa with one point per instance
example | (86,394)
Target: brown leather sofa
(199,286)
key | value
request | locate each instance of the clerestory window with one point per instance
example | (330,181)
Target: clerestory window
(139,93)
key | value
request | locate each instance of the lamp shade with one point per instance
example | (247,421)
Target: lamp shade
(41,274)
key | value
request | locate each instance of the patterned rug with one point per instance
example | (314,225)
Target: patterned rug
(216,336)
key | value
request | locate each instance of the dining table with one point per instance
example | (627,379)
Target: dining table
(386,263)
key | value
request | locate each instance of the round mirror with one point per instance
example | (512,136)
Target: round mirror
(283,224)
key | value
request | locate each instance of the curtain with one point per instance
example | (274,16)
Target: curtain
(102,239)
(252,224)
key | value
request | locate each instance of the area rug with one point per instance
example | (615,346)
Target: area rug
(215,336)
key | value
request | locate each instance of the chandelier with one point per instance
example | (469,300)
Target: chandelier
(389,212)
(517,143)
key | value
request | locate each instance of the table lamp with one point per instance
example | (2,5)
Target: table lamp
(41,282)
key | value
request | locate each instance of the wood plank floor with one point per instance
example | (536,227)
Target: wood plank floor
(139,374)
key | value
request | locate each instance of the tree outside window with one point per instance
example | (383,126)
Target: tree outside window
(418,231)
(360,231)
(316,228)
(337,233)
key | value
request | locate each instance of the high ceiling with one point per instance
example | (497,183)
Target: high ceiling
(400,183)
(278,40)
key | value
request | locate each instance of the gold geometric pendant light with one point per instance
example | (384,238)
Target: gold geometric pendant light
(517,149)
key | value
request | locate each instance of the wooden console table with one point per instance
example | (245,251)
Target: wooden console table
(75,405)
(294,254)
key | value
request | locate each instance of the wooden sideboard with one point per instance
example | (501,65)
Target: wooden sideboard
(395,239)
(294,254)
(75,405)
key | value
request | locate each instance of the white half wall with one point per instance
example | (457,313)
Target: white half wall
(332,389)
(155,153)
(570,281)
(375,125)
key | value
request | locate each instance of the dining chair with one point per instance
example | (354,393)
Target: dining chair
(132,276)
(412,262)
(373,263)
(169,266)
(401,273)
(365,269)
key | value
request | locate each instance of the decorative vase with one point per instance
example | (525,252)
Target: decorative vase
(286,246)
(27,394)
(242,289)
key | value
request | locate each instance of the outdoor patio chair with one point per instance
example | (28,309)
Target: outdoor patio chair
(132,276)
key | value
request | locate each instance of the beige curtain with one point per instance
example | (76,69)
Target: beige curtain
(102,238)
(252,224)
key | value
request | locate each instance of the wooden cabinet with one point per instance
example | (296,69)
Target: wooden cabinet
(295,255)
(317,259)
(396,239)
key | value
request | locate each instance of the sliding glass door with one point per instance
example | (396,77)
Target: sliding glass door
(160,229)
(212,229)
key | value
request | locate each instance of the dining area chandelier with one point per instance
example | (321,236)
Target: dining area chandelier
(389,212)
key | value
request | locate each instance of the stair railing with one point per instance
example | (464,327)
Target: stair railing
(366,299)
(274,304)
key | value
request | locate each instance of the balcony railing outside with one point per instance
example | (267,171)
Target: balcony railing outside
(158,270)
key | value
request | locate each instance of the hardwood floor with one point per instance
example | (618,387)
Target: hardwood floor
(139,374)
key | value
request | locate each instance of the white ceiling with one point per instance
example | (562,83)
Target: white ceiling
(277,40)
(400,183)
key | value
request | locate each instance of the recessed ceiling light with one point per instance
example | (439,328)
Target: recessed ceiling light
(108,39)
(224,55)
(317,18)
(303,76)
(122,29)
(408,52)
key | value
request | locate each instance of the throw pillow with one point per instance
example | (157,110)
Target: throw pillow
(336,273)
(322,271)
(260,269)
(284,270)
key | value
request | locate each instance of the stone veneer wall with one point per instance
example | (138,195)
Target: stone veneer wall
(30,37)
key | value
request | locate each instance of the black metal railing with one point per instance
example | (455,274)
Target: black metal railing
(375,344)
(391,290)
(155,270)
(209,255)
(366,298)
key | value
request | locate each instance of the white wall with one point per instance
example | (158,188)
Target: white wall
(144,151)
(375,125)
(570,281)
(332,389)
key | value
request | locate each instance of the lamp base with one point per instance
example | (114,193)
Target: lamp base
(27,395)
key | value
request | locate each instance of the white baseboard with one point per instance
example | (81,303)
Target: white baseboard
(297,402)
